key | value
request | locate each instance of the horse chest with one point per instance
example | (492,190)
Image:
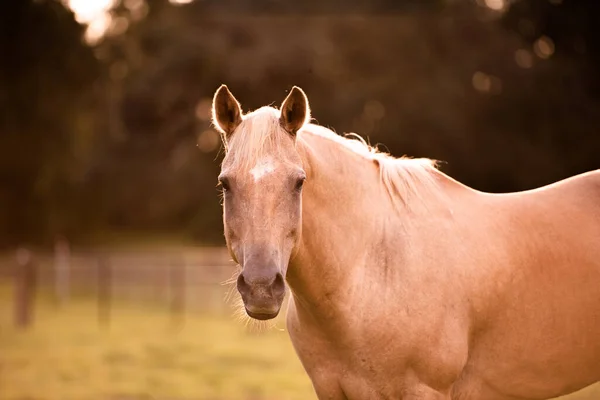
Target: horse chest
(337,370)
(378,371)
(335,376)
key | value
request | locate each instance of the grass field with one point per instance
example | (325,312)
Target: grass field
(66,356)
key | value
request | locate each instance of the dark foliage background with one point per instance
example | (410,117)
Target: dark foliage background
(113,135)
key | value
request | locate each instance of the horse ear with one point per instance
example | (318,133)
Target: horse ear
(226,112)
(295,111)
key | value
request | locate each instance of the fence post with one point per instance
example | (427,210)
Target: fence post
(104,277)
(177,291)
(62,255)
(25,288)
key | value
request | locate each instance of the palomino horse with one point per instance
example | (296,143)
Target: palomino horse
(406,284)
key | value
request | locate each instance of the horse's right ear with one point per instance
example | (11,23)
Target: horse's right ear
(226,112)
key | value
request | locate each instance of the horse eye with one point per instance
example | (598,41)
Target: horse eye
(224,184)
(300,183)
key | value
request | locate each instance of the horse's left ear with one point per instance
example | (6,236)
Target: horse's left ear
(295,111)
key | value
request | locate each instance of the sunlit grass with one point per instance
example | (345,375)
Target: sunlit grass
(142,356)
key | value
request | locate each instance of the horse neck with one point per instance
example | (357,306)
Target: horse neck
(344,207)
(355,237)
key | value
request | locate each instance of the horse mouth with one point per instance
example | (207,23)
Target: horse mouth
(261,316)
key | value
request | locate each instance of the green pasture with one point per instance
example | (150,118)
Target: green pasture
(67,356)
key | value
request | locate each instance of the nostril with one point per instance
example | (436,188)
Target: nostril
(269,285)
(278,285)
(242,286)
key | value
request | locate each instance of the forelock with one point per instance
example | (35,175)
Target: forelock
(259,136)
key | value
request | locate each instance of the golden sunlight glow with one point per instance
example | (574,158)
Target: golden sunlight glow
(495,4)
(203,109)
(544,47)
(95,14)
(523,58)
(208,140)
(374,110)
(138,9)
(88,10)
(486,83)
(481,82)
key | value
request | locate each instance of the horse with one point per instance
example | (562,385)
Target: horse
(405,283)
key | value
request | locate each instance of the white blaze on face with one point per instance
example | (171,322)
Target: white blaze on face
(262,168)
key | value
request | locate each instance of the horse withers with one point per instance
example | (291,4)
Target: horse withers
(406,284)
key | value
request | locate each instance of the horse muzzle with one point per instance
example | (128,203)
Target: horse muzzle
(262,294)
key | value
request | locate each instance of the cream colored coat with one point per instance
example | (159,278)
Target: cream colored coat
(405,283)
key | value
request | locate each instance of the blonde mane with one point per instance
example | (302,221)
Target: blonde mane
(403,177)
(260,134)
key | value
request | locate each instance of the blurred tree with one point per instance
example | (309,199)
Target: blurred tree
(572,25)
(47,77)
(116,134)
(553,102)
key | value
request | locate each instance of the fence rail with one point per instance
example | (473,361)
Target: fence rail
(182,280)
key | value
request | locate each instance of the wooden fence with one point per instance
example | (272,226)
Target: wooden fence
(182,279)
